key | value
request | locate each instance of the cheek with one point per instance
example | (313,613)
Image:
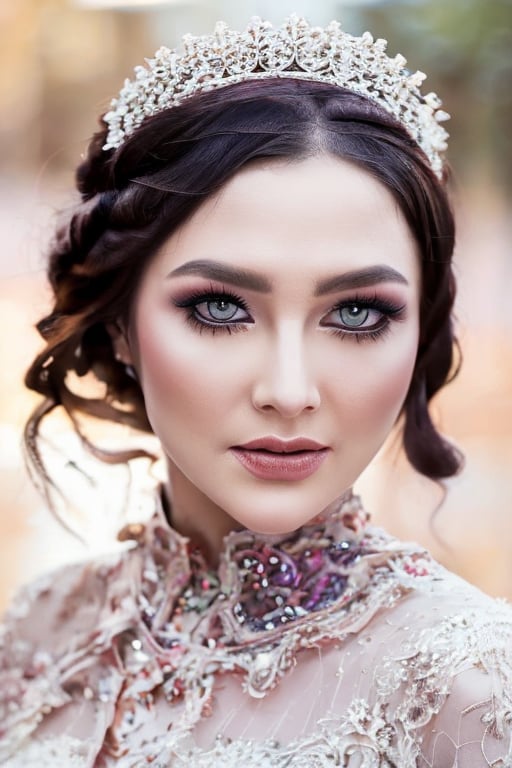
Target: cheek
(387,399)
(182,380)
(401,365)
(379,383)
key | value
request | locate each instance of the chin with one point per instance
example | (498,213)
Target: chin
(283,508)
(279,522)
(275,530)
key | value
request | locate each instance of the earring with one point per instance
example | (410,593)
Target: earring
(131,372)
(129,369)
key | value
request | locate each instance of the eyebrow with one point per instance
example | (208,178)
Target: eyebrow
(242,278)
(360,278)
(245,278)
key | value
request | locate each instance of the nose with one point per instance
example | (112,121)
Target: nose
(285,382)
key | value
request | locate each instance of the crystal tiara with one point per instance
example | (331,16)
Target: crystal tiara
(294,50)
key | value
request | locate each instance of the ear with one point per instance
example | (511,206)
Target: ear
(120,343)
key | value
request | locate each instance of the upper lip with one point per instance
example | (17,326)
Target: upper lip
(277,445)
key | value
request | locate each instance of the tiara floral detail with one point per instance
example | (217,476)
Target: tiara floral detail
(294,50)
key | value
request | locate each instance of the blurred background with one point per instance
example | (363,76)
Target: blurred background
(61,61)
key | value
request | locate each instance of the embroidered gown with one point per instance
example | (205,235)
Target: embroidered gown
(336,645)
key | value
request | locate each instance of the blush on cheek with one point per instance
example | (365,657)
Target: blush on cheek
(168,387)
(377,399)
(391,388)
(178,376)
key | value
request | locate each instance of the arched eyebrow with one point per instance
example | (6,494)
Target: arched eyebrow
(360,278)
(253,281)
(224,273)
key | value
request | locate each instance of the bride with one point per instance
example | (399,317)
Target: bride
(259,273)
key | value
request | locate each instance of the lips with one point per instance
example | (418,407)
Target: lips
(270,458)
(276,445)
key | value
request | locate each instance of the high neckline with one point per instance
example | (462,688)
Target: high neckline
(263,582)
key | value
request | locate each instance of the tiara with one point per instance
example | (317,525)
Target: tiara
(294,50)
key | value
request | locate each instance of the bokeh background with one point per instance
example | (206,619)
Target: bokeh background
(60,63)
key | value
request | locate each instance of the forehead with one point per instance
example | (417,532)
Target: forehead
(310,217)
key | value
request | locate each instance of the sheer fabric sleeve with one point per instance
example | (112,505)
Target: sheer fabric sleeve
(445,679)
(473,728)
(469,732)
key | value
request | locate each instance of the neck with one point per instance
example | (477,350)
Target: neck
(209,524)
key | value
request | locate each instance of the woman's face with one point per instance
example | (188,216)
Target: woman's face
(284,311)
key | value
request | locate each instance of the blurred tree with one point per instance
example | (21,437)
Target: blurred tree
(466,48)
(59,65)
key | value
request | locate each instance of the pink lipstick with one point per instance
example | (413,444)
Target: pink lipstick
(270,458)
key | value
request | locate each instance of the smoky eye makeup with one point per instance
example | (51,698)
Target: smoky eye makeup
(360,317)
(216,310)
(364,318)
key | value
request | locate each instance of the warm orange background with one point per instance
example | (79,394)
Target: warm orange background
(58,66)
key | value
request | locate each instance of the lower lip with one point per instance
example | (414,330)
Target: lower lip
(280,466)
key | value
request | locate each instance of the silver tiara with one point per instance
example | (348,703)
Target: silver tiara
(294,50)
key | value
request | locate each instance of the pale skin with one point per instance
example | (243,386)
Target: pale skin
(317,338)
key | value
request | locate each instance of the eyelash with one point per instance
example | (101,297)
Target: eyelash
(199,323)
(388,309)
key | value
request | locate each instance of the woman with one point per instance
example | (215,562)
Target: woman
(259,272)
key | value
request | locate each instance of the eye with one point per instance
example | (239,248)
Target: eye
(219,310)
(215,311)
(355,315)
(363,318)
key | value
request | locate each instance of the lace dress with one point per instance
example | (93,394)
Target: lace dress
(336,645)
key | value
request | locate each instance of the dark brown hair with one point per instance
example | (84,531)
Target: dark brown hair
(134,197)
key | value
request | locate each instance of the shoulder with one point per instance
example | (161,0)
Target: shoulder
(66,599)
(73,599)
(447,664)
(66,639)
(439,611)
(53,630)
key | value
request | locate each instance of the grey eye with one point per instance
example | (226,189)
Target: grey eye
(354,315)
(221,310)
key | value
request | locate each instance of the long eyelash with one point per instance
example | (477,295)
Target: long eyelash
(210,295)
(200,324)
(388,308)
(362,336)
